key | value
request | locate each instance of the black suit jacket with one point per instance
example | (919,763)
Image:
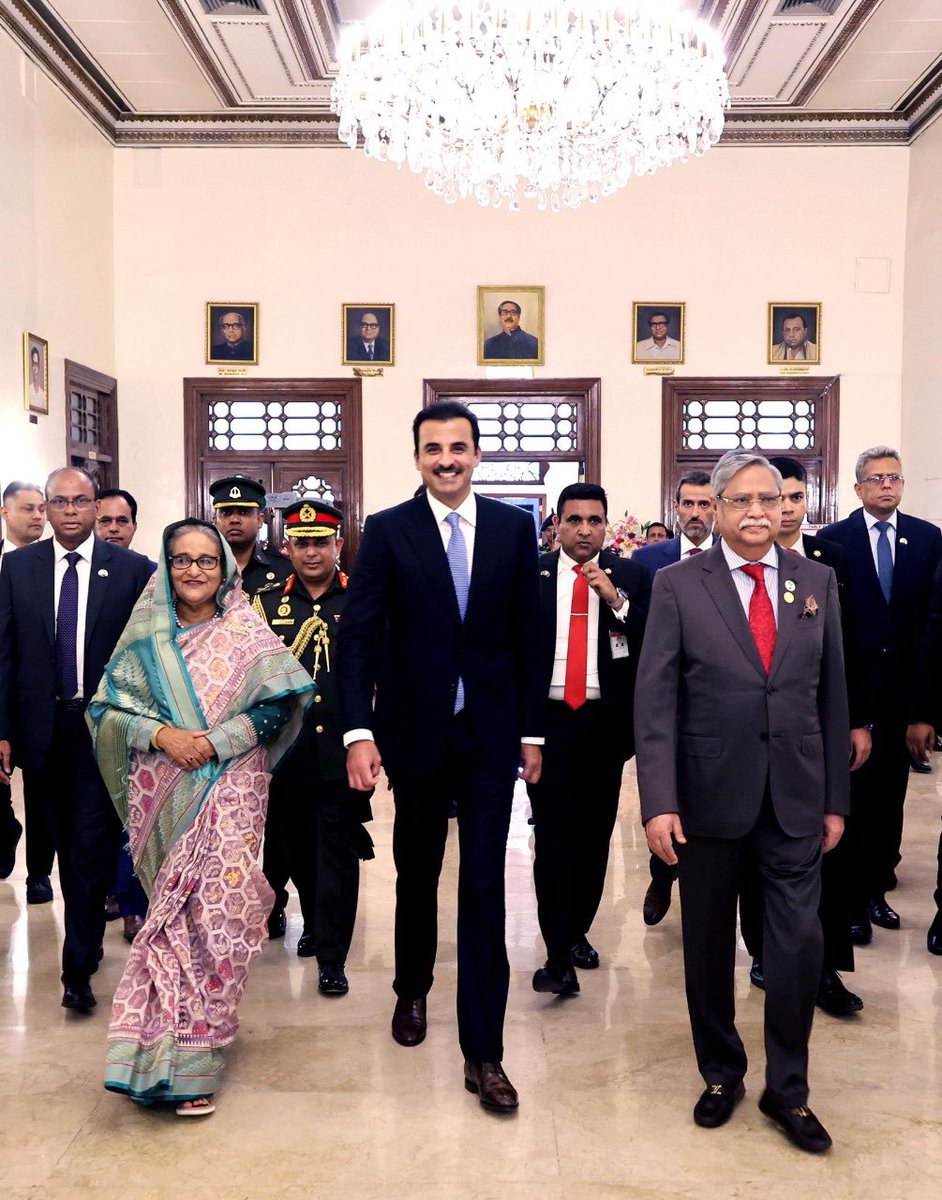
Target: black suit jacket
(888,635)
(926,705)
(616,675)
(356,350)
(28,637)
(401,634)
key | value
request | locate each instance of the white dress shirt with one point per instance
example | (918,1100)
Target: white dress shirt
(84,569)
(687,546)
(565,582)
(743,582)
(875,536)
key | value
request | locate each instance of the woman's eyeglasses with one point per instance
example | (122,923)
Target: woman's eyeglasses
(205,562)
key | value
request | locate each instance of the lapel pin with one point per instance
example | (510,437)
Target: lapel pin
(545,574)
(102,572)
(903,542)
(608,570)
(789,598)
(789,585)
(817,553)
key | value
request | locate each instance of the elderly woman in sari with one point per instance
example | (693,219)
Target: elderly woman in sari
(198,703)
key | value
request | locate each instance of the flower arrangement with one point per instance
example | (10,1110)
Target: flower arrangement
(623,535)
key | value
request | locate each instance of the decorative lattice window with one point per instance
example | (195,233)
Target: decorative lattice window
(508,472)
(84,418)
(528,426)
(275,425)
(769,425)
(313,486)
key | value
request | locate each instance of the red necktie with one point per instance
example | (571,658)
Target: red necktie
(693,550)
(574,691)
(761,617)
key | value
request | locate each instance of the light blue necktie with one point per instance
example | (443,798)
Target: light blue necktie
(884,559)
(457,554)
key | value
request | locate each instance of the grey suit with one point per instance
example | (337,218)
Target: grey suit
(751,762)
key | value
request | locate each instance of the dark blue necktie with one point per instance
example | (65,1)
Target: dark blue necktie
(457,555)
(66,628)
(884,559)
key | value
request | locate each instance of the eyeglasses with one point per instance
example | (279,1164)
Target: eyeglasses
(61,502)
(232,324)
(507,312)
(741,503)
(369,324)
(205,562)
(661,323)
(878,479)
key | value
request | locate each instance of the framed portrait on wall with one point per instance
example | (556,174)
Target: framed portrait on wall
(35,374)
(231,332)
(368,334)
(510,325)
(794,332)
(658,332)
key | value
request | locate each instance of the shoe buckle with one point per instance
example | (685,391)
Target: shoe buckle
(716,1089)
(801,1111)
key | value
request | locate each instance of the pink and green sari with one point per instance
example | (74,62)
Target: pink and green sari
(194,835)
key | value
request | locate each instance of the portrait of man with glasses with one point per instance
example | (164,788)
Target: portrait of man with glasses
(231,333)
(368,334)
(658,333)
(510,325)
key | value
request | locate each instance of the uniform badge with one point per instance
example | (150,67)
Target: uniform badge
(235,493)
(270,575)
(336,618)
(307,514)
(284,610)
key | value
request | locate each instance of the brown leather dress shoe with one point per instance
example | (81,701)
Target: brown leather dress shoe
(409,1021)
(657,900)
(491,1086)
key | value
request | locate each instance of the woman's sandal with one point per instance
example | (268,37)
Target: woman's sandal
(200,1106)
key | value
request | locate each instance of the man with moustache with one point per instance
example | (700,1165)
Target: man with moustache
(837,867)
(239,508)
(656,531)
(695,512)
(592,613)
(795,346)
(512,342)
(741,725)
(892,558)
(64,603)
(24,519)
(439,625)
(315,821)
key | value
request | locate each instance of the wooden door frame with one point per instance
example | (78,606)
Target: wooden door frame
(585,389)
(78,375)
(350,392)
(824,391)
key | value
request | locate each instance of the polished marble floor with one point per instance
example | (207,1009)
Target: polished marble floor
(318,1101)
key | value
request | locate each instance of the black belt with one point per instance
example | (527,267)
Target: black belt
(71,705)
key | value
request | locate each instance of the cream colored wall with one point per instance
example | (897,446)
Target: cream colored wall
(56,255)
(922,408)
(302,231)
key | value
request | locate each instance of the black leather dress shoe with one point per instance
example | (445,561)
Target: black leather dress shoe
(834,997)
(79,999)
(584,955)
(657,900)
(861,931)
(715,1106)
(492,1087)
(331,980)
(8,849)
(561,981)
(881,914)
(800,1124)
(756,974)
(277,923)
(306,947)
(409,1021)
(934,936)
(38,889)
(112,908)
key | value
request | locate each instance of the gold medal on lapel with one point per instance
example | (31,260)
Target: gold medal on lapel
(284,610)
(789,585)
(789,598)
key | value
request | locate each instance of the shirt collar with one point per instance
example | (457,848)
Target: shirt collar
(871,521)
(733,560)
(686,545)
(467,509)
(568,564)
(84,551)
(798,548)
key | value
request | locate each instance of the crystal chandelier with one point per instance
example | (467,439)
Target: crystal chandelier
(557,103)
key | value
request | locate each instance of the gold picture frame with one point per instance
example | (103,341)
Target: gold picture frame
(35,389)
(645,318)
(807,311)
(529,301)
(222,349)
(357,323)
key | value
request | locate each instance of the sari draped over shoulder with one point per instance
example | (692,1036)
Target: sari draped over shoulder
(194,835)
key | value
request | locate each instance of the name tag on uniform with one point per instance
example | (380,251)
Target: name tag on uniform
(284,621)
(618,643)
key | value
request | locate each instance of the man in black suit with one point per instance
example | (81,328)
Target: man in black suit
(440,618)
(741,726)
(368,345)
(512,342)
(926,723)
(695,512)
(63,605)
(836,868)
(24,519)
(892,558)
(592,614)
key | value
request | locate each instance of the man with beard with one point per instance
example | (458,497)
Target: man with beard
(239,506)
(695,512)
(24,519)
(741,726)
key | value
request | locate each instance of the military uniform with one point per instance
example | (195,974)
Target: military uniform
(264,568)
(315,828)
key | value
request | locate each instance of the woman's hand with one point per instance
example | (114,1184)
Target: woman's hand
(188,749)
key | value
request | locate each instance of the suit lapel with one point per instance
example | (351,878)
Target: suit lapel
(862,549)
(789,569)
(549,578)
(905,550)
(717,579)
(99,577)
(44,569)
(421,531)
(487,532)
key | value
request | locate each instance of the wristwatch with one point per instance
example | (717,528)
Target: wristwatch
(621,598)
